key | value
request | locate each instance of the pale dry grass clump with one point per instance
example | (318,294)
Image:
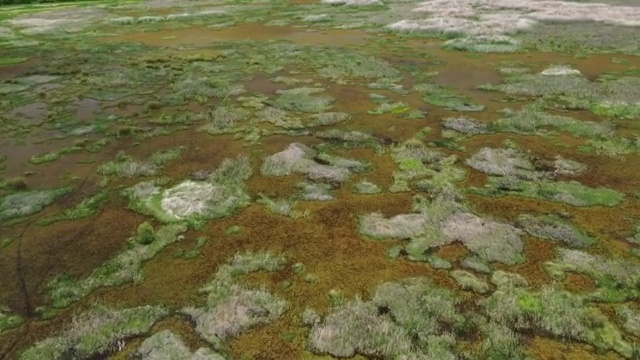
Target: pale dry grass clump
(166,345)
(299,158)
(491,240)
(497,17)
(96,333)
(402,321)
(232,308)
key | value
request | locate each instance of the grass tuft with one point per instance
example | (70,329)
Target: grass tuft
(96,333)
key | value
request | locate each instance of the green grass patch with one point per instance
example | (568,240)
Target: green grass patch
(124,268)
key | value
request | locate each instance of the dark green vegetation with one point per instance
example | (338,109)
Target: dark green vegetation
(247,180)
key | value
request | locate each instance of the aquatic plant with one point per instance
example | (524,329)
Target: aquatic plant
(468,281)
(167,345)
(85,209)
(124,268)
(25,203)
(552,227)
(232,308)
(96,332)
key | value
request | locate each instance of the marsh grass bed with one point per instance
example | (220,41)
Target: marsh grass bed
(332,179)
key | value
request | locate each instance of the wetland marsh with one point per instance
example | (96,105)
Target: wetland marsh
(367,179)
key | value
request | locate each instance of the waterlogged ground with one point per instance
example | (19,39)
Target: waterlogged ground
(303,180)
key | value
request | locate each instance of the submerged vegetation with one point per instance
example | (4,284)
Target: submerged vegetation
(440,188)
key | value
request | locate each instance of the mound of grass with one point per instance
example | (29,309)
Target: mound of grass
(126,267)
(616,148)
(630,318)
(484,44)
(220,195)
(329,118)
(282,207)
(391,108)
(477,263)
(85,209)
(442,221)
(568,192)
(192,88)
(299,158)
(565,88)
(531,120)
(165,345)
(125,166)
(505,162)
(232,308)
(466,126)
(302,100)
(417,162)
(341,66)
(558,313)
(445,98)
(507,280)
(25,203)
(315,192)
(223,119)
(617,280)
(349,139)
(96,333)
(401,321)
(8,320)
(552,227)
(468,281)
(489,239)
(500,342)
(281,118)
(366,187)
